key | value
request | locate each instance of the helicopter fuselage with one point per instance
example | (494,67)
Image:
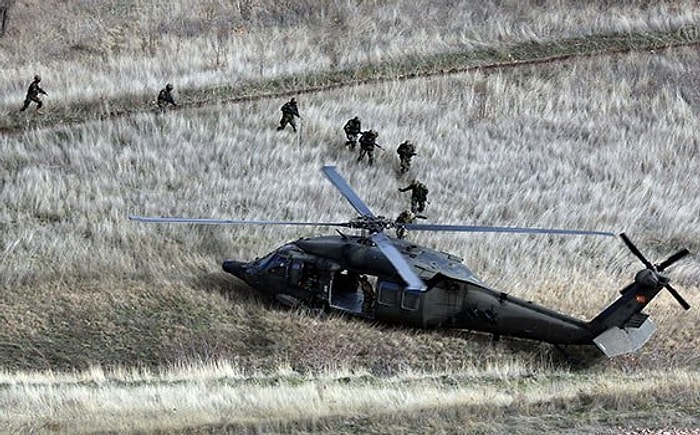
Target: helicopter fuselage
(328,270)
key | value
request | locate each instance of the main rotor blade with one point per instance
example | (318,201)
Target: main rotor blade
(672,259)
(402,267)
(636,251)
(492,229)
(347,191)
(205,221)
(679,298)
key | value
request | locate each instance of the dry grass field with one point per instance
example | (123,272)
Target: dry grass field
(109,325)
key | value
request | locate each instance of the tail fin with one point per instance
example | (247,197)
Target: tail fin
(622,327)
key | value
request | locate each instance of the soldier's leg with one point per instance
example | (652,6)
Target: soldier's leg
(361,156)
(39,103)
(293,123)
(27,101)
(370,154)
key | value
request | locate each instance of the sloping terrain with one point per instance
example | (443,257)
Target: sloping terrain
(101,317)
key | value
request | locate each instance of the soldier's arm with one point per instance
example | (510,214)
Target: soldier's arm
(41,91)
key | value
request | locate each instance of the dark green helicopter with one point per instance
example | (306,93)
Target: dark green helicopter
(378,277)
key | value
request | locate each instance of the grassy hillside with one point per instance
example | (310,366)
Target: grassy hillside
(118,55)
(95,309)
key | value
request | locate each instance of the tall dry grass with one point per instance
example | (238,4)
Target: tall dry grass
(219,398)
(601,143)
(533,146)
(132,48)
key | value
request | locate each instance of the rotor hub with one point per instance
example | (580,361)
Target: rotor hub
(372,224)
(650,279)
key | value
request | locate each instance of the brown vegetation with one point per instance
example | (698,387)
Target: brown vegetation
(605,143)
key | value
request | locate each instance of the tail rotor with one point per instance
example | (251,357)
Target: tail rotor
(656,269)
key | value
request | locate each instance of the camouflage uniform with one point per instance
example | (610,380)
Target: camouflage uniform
(368,141)
(406,151)
(419,195)
(165,97)
(289,111)
(368,292)
(406,217)
(33,93)
(352,129)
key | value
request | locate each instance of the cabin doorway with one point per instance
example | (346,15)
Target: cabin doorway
(353,293)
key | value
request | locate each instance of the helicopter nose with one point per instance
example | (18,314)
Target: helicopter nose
(235,268)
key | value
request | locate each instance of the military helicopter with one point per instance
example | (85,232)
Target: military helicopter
(385,279)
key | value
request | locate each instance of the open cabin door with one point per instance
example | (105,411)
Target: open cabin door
(353,293)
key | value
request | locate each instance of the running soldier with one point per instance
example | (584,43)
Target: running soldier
(406,217)
(289,111)
(33,93)
(352,129)
(419,195)
(165,97)
(406,151)
(368,141)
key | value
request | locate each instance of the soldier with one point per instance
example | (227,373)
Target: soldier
(368,292)
(165,97)
(419,195)
(289,111)
(368,141)
(406,151)
(406,217)
(352,129)
(33,93)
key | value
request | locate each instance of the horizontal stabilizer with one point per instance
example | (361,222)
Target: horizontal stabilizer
(619,341)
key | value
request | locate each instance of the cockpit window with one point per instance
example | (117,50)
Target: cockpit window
(273,263)
(263,262)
